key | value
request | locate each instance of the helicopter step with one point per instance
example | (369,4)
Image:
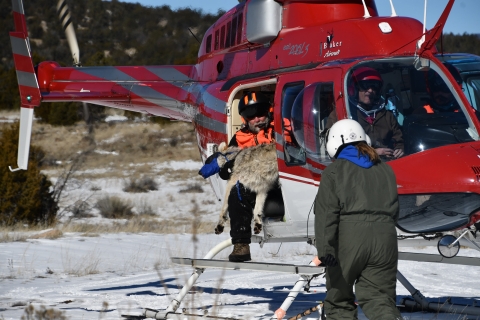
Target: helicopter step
(423,257)
(250,266)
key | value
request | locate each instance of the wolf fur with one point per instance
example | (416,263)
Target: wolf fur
(256,168)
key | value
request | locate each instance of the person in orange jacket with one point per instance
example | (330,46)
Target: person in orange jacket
(255,110)
(442,99)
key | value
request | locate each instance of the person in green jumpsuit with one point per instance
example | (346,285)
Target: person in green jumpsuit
(356,208)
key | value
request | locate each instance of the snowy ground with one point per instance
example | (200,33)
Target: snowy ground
(106,275)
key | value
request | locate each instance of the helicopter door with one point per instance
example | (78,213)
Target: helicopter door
(303,102)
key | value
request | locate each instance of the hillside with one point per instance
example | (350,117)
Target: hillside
(125,33)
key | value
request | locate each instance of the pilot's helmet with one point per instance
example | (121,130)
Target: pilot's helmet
(435,83)
(343,133)
(253,104)
(364,78)
(441,96)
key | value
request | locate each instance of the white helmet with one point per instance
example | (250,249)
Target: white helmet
(343,132)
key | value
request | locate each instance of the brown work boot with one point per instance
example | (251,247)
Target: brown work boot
(240,253)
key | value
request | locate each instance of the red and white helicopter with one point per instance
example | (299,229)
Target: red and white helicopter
(301,53)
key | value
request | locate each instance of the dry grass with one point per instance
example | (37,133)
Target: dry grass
(47,234)
(114,208)
(143,184)
(192,188)
(21,232)
(118,150)
(140,225)
(42,313)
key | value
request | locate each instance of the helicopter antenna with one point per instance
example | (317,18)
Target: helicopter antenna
(422,39)
(194,35)
(394,13)
(366,15)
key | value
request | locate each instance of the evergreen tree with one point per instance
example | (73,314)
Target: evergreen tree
(25,196)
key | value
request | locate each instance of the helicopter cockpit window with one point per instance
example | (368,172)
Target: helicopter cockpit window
(466,71)
(472,91)
(401,107)
(309,117)
(294,155)
(209,44)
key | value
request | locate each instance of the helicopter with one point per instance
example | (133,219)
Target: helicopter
(302,55)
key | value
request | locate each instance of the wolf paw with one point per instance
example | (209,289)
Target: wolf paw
(219,229)
(257,228)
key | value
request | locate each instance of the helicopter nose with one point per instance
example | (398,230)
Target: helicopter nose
(439,189)
(452,168)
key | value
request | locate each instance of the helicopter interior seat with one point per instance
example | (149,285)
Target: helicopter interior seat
(236,118)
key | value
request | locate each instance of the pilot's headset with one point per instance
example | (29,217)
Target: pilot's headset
(254,104)
(363,74)
(343,133)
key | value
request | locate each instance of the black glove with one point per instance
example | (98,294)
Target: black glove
(225,171)
(213,156)
(328,261)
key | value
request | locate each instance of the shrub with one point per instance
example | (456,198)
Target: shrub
(80,209)
(144,209)
(25,196)
(58,114)
(114,208)
(42,314)
(193,188)
(144,184)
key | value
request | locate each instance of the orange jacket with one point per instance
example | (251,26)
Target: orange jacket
(245,138)
(429,109)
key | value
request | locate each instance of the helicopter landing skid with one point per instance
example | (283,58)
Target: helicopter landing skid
(306,272)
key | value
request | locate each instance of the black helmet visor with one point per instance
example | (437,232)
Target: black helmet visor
(257,110)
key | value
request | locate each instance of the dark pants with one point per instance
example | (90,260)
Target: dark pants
(241,202)
(367,254)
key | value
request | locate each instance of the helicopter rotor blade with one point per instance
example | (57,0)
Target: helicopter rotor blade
(66,20)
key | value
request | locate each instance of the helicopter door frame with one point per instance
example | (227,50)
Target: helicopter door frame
(234,121)
(300,182)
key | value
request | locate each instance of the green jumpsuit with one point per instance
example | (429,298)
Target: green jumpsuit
(355,214)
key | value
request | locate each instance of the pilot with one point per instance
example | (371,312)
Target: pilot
(254,108)
(380,124)
(356,209)
(441,98)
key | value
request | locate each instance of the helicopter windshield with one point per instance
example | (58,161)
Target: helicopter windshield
(468,67)
(414,109)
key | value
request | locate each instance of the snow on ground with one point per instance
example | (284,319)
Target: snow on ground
(104,276)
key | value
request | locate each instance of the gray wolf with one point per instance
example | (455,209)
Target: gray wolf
(256,168)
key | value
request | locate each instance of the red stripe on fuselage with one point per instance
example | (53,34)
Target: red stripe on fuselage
(316,184)
(206,135)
